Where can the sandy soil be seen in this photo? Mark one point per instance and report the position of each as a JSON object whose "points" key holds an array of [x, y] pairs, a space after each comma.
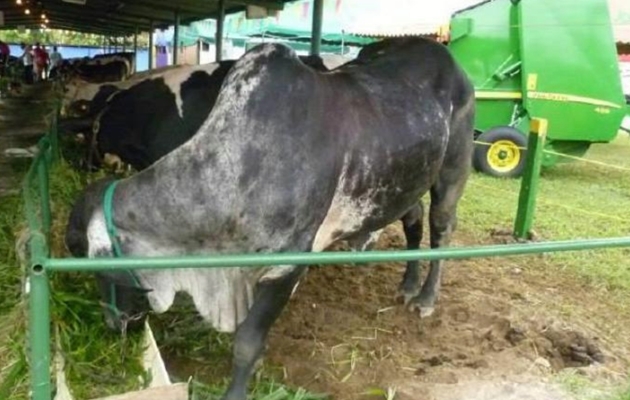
{"points": [[503, 327]]}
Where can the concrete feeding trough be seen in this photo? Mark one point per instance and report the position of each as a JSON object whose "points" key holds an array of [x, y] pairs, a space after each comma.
{"points": [[160, 386], [171, 392]]}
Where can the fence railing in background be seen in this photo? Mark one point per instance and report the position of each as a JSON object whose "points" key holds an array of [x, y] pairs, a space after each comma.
{"points": [[38, 214], [36, 191]]}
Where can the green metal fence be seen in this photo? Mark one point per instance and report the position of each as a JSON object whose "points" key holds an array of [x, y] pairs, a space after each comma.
{"points": [[38, 214]]}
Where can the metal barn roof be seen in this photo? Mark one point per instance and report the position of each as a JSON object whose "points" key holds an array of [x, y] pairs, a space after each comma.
{"points": [[117, 16]]}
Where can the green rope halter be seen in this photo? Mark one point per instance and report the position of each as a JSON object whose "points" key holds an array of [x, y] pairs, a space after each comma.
{"points": [[109, 219], [112, 232]]}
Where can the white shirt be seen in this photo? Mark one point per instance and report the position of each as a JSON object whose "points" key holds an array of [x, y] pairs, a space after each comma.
{"points": [[27, 58], [55, 58]]}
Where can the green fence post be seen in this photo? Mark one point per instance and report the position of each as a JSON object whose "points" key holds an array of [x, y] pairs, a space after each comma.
{"points": [[54, 135], [44, 194], [39, 320], [531, 175]]}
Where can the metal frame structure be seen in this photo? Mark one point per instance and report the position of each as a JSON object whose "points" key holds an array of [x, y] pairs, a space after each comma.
{"points": [[130, 17], [120, 16], [38, 214]]}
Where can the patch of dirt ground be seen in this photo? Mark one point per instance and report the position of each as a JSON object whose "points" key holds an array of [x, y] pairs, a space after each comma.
{"points": [[502, 328]]}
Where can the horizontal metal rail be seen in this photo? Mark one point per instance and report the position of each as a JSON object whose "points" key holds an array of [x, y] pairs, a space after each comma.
{"points": [[38, 215], [331, 257]]}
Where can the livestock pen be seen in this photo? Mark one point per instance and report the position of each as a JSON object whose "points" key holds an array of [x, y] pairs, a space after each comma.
{"points": [[40, 263]]}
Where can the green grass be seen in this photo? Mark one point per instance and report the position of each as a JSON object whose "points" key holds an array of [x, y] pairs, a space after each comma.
{"points": [[189, 343], [12, 313], [583, 388], [575, 200], [261, 389], [97, 362]]}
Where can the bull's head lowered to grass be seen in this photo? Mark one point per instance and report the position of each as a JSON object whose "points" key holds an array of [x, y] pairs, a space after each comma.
{"points": [[123, 299]]}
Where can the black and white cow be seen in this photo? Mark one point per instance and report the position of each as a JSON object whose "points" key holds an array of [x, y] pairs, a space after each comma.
{"points": [[115, 70], [107, 67], [83, 99], [139, 125], [79, 93], [98, 69], [289, 159], [128, 57], [148, 120]]}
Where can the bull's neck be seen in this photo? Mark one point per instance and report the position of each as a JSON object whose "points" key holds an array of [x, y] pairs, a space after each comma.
{"points": [[153, 199]]}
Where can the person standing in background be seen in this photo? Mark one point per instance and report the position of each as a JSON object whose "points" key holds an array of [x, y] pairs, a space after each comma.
{"points": [[27, 60], [55, 57], [55, 62], [5, 52], [40, 61]]}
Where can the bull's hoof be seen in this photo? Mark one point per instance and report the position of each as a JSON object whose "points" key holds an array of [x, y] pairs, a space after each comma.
{"points": [[426, 312], [423, 304], [423, 311], [405, 297]]}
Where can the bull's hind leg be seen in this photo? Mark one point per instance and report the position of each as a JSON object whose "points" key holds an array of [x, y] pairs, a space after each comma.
{"points": [[445, 195], [271, 298], [412, 226]]}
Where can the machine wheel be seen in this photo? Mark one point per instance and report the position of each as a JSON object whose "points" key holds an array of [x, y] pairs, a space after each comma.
{"points": [[500, 152]]}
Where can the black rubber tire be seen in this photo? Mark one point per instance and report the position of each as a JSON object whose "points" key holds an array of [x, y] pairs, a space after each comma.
{"points": [[506, 133]]}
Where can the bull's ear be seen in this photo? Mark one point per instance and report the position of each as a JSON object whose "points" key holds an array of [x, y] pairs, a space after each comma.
{"points": [[76, 243], [76, 229]]}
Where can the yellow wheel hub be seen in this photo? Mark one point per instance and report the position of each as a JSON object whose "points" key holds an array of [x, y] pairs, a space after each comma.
{"points": [[503, 155]]}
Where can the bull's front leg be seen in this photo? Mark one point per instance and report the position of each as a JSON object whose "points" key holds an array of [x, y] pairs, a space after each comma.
{"points": [[271, 297]]}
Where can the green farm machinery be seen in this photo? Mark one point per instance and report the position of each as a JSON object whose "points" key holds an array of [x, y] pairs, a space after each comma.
{"points": [[554, 60]]}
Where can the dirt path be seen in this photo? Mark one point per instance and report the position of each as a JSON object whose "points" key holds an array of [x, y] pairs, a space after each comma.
{"points": [[22, 123], [502, 328]]}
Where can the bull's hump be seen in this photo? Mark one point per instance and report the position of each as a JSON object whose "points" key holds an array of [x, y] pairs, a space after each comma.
{"points": [[257, 60], [242, 80]]}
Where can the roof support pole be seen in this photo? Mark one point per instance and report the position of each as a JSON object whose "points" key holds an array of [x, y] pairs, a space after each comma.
{"points": [[316, 30], [218, 39], [176, 39], [135, 50], [151, 46]]}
